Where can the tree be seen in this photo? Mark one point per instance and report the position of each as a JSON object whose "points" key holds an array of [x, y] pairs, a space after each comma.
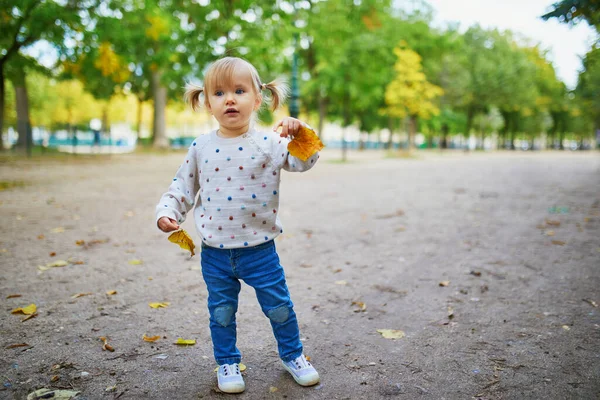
{"points": [[588, 86], [410, 94], [25, 22], [573, 11]]}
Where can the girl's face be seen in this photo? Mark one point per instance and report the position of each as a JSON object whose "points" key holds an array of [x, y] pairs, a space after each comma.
{"points": [[233, 101]]}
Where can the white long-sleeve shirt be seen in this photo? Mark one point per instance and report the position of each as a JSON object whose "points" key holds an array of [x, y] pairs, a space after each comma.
{"points": [[238, 180]]}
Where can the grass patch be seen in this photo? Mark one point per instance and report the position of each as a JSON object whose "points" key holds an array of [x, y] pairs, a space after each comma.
{"points": [[403, 153], [6, 185]]}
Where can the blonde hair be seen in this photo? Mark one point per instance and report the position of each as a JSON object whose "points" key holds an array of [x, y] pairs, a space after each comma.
{"points": [[221, 72]]}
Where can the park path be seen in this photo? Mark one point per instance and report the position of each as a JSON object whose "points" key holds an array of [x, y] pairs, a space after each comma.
{"points": [[369, 245]]}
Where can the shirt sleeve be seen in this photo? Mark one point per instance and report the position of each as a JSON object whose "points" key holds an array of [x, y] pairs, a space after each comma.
{"points": [[291, 163], [179, 199]]}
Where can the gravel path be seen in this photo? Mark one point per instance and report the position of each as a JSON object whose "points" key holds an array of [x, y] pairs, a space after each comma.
{"points": [[368, 245]]}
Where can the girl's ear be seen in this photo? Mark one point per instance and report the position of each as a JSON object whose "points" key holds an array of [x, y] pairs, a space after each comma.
{"points": [[257, 102]]}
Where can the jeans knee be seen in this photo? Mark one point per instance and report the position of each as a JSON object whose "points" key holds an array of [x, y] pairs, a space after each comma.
{"points": [[279, 314], [223, 315]]}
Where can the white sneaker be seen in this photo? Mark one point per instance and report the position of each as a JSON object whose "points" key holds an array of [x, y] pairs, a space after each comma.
{"points": [[229, 379], [302, 371]]}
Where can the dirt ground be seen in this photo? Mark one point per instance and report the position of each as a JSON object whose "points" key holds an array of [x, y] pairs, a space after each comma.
{"points": [[368, 245]]}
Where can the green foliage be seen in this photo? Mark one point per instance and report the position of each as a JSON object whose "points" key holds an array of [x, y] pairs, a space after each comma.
{"points": [[573, 11]]}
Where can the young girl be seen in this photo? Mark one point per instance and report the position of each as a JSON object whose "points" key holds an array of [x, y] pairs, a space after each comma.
{"points": [[237, 170]]}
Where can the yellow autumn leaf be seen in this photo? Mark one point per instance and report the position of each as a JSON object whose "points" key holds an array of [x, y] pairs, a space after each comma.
{"points": [[29, 310], [184, 240], [391, 333], [80, 295], [57, 263], [159, 305], [111, 292], [185, 342], [305, 143], [151, 338], [135, 262], [444, 283], [106, 346]]}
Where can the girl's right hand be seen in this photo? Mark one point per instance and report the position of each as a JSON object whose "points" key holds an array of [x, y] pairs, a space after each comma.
{"points": [[167, 224]]}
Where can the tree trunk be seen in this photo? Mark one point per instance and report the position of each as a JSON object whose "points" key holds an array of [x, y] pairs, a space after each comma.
{"points": [[444, 141], [322, 114], [2, 97], [412, 129], [470, 117], [159, 128], [139, 118], [25, 140]]}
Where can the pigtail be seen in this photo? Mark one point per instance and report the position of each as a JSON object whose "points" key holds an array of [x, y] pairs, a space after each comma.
{"points": [[192, 95], [279, 91]]}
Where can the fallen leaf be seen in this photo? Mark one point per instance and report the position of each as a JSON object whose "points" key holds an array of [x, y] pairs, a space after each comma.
{"points": [[151, 338], [391, 333], [361, 306], [54, 378], [566, 327], [444, 283], [184, 240], [80, 242], [273, 389], [57, 263], [549, 233], [475, 273], [552, 222], [41, 237], [29, 317], [80, 295], [29, 310], [12, 296], [185, 342], [111, 389], [59, 229], [558, 242], [305, 143], [52, 254], [135, 262], [52, 394], [159, 305], [106, 346], [13, 346], [76, 262], [591, 302], [111, 292], [343, 283], [307, 358], [450, 313]]}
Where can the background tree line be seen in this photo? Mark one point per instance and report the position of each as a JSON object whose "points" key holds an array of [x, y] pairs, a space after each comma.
{"points": [[363, 63]]}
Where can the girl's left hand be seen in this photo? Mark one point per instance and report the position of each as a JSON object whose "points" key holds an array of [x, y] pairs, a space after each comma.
{"points": [[289, 126]]}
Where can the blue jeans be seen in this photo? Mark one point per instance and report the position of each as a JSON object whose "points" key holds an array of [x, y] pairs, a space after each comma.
{"points": [[259, 267]]}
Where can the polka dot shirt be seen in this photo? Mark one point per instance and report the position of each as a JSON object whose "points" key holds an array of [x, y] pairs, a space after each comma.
{"points": [[238, 182]]}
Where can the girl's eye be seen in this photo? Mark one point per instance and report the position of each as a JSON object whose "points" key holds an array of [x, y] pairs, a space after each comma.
{"points": [[219, 93], [239, 91]]}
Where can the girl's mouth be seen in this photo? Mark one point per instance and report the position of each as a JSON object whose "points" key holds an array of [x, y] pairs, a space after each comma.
{"points": [[231, 111]]}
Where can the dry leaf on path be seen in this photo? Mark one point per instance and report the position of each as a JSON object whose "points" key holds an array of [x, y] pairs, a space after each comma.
{"points": [[80, 295], [29, 310], [305, 143], [559, 242], [151, 338], [273, 389], [106, 346], [361, 306], [135, 262], [552, 222], [444, 283], [591, 302], [184, 240], [13, 346], [111, 292], [159, 305], [391, 333], [12, 296], [185, 342], [566, 327], [57, 263], [59, 229], [343, 283]]}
